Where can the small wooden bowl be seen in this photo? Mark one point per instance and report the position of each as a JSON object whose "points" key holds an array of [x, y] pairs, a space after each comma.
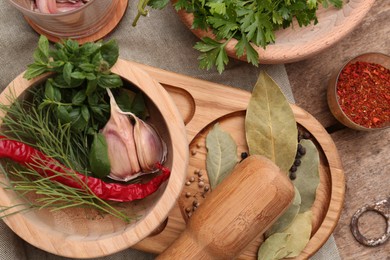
{"points": [[82, 233], [298, 43], [84, 22], [332, 96]]}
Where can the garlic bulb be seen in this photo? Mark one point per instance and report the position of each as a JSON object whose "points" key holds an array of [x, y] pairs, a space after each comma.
{"points": [[133, 150]]}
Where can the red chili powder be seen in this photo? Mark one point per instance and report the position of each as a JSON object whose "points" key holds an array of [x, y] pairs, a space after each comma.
{"points": [[363, 91]]}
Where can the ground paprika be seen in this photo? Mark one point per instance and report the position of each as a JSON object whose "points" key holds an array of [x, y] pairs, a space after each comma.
{"points": [[363, 91]]}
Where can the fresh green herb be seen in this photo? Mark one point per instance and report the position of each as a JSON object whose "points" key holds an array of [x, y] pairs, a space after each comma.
{"points": [[250, 22], [24, 122], [76, 93], [98, 156]]}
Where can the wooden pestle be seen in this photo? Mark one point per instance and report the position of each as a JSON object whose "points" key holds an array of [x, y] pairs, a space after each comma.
{"points": [[241, 208]]}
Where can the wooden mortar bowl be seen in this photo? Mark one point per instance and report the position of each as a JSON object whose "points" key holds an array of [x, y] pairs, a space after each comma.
{"points": [[82, 233]]}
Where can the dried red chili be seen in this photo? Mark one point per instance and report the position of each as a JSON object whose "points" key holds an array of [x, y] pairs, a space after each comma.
{"points": [[28, 156], [363, 91]]}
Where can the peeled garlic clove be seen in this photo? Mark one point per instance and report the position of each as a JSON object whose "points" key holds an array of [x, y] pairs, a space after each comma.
{"points": [[151, 149], [121, 146]]}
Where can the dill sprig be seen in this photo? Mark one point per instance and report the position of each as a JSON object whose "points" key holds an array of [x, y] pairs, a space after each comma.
{"points": [[25, 122]]}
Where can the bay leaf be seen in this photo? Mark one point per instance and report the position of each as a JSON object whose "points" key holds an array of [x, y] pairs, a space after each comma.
{"points": [[287, 218], [221, 155], [270, 124], [274, 247], [308, 176], [300, 231]]}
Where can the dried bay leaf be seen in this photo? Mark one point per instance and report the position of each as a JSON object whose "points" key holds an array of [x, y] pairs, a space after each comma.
{"points": [[274, 247], [300, 231], [221, 155], [270, 124], [289, 243], [308, 176], [287, 218]]}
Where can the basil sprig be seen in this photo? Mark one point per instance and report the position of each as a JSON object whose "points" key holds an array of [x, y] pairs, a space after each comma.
{"points": [[76, 92]]}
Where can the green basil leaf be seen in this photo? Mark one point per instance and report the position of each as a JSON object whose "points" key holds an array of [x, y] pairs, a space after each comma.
{"points": [[40, 57], [34, 70], [85, 113], [52, 92], [110, 52], [91, 87], [98, 156], [90, 76], [77, 75], [79, 98], [71, 45], [67, 72], [97, 110], [87, 67], [43, 46], [78, 123], [63, 114], [125, 99], [60, 82], [109, 81], [56, 65], [138, 106], [88, 48]]}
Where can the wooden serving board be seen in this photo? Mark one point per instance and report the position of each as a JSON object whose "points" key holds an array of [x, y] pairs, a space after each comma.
{"points": [[202, 104]]}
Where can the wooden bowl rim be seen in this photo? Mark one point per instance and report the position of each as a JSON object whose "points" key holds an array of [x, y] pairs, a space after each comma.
{"points": [[82, 247]]}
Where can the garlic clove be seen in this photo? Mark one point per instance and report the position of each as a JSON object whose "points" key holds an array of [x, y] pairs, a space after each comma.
{"points": [[121, 146], [151, 149], [139, 144]]}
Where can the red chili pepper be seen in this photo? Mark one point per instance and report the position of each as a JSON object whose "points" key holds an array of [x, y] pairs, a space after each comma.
{"points": [[48, 167]]}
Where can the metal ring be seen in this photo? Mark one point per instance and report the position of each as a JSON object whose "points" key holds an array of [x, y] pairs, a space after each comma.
{"points": [[382, 208]]}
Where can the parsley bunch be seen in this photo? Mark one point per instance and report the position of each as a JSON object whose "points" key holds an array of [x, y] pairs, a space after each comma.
{"points": [[251, 22]]}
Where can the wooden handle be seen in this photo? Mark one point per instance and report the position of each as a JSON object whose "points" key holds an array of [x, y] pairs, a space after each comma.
{"points": [[242, 207]]}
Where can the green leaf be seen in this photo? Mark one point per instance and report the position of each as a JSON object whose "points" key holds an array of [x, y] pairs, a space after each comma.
{"points": [[158, 4], [213, 54], [87, 67], [98, 156], [217, 7], [125, 99], [78, 123], [63, 114], [79, 98], [287, 218], [43, 47], [77, 75], [67, 72], [221, 155], [109, 81], [244, 47], [308, 177], [110, 52], [91, 87], [34, 70], [270, 125], [51, 92], [85, 113]]}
